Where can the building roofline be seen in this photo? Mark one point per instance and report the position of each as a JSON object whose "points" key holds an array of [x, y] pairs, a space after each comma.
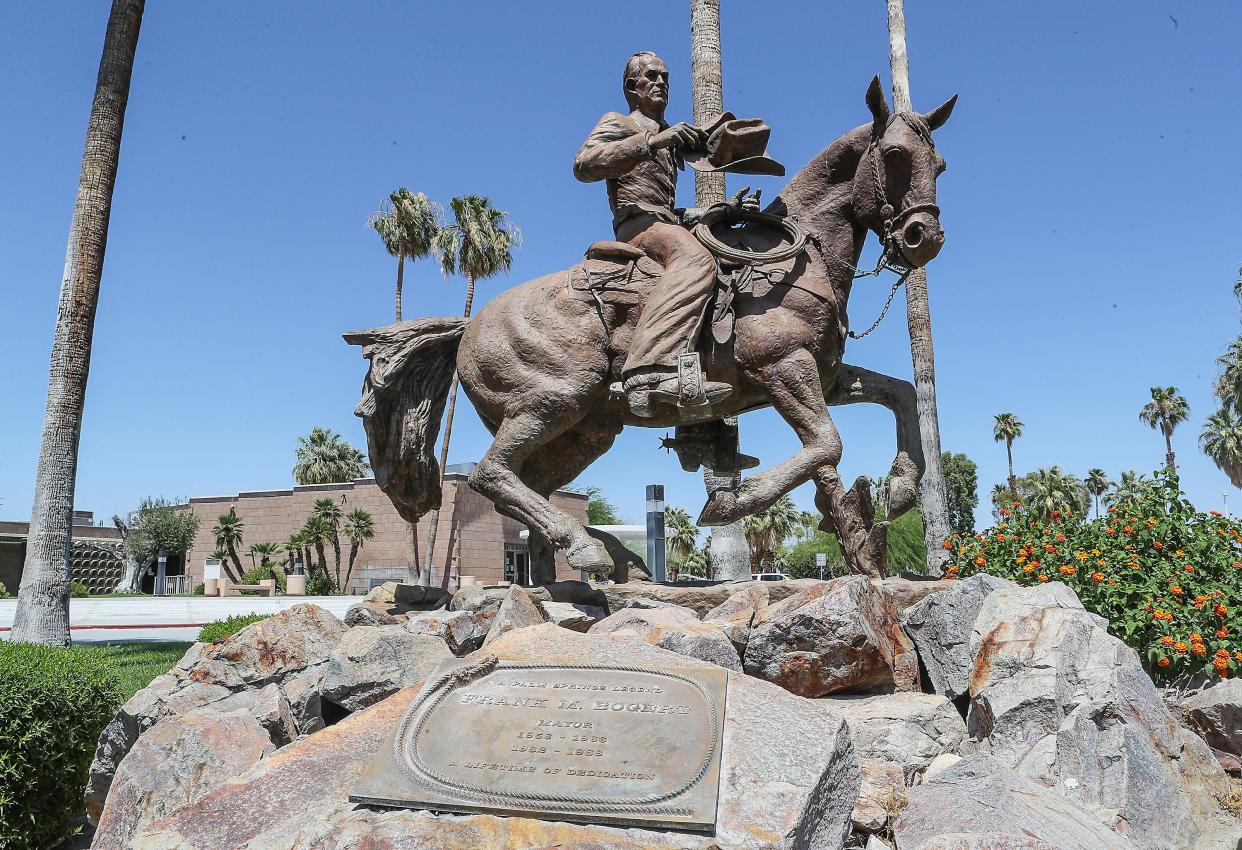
{"points": [[450, 474]]}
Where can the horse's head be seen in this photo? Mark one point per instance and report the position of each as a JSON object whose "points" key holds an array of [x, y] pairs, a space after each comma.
{"points": [[895, 184]]}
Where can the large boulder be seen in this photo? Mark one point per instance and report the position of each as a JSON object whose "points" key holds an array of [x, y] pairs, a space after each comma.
{"points": [[840, 636], [288, 649], [178, 761], [675, 629], [736, 615], [909, 590], [1059, 700], [979, 804], [940, 626], [787, 785], [1216, 714], [373, 662], [462, 631], [907, 729], [517, 611], [574, 616]]}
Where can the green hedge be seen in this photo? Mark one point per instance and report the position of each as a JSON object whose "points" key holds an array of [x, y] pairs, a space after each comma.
{"points": [[78, 590], [54, 703], [220, 629]]}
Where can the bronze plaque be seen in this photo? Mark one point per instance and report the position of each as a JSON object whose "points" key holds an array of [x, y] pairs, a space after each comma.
{"points": [[600, 744]]}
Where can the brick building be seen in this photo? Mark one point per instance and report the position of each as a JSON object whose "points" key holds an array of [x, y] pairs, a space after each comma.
{"points": [[485, 544]]}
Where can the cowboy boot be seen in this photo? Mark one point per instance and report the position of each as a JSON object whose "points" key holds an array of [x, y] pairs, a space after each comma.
{"points": [[686, 386]]}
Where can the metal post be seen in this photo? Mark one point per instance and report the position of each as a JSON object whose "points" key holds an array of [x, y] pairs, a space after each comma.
{"points": [[655, 531], [161, 564]]}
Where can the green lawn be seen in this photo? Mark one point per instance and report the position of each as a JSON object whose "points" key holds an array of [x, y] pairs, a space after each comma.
{"points": [[139, 663]]}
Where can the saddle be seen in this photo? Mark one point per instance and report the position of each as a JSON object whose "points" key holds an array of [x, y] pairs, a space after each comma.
{"points": [[615, 272]]}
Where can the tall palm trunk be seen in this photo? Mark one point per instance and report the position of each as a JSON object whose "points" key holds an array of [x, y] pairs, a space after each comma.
{"points": [[935, 500], [336, 551], [727, 543], [353, 554], [323, 558], [400, 278], [233, 556], [1013, 480], [43, 601], [707, 82], [425, 579], [1169, 461]]}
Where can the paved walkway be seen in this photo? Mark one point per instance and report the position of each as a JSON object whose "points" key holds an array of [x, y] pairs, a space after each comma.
{"points": [[167, 618]]}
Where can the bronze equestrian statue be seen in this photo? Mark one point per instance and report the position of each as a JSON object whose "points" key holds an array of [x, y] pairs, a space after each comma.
{"points": [[541, 361]]}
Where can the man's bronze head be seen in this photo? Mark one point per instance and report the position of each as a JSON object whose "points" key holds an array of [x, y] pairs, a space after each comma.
{"points": [[646, 84]]}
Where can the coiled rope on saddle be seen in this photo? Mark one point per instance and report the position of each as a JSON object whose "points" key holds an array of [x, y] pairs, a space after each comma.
{"points": [[741, 256]]}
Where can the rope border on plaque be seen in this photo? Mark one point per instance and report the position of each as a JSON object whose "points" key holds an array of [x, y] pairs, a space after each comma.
{"points": [[416, 771]]}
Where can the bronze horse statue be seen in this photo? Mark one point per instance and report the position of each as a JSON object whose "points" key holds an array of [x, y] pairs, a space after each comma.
{"points": [[538, 361]]}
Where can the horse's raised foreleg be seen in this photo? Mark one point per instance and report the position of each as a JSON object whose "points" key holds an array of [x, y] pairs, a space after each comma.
{"points": [[517, 439], [793, 387], [855, 385]]}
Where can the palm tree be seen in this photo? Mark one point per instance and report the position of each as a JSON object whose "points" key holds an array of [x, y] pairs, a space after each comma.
{"points": [[1228, 387], [324, 458], [1132, 487], [265, 552], [479, 243], [1002, 497], [707, 88], [1008, 427], [681, 538], [294, 546], [1097, 484], [42, 614], [359, 528], [407, 223], [329, 510], [228, 532], [317, 532], [1221, 440], [1054, 491], [767, 530], [1166, 410], [935, 498]]}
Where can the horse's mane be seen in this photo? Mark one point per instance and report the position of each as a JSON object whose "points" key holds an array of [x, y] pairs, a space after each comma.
{"points": [[813, 186]]}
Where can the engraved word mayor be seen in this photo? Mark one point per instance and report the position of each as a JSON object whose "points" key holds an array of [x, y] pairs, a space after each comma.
{"points": [[597, 744]]}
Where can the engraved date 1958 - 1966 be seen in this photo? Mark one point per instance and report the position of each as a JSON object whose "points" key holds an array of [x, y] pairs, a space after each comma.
{"points": [[540, 743]]}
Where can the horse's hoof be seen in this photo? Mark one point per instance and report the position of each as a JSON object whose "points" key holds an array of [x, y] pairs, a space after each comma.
{"points": [[588, 555], [720, 509]]}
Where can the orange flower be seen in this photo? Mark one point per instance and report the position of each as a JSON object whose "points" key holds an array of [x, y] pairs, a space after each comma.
{"points": [[1163, 662], [1222, 633], [1162, 615], [1180, 554], [1220, 610], [1189, 568], [1082, 556], [1180, 647], [1199, 649], [1166, 640], [1028, 569], [1195, 637], [951, 571], [1043, 578], [1000, 538], [1111, 530], [980, 561], [948, 544], [1157, 544], [1067, 570], [1222, 666], [1112, 510], [1098, 578], [1238, 656], [1222, 653], [1048, 547], [1129, 529], [1176, 590]]}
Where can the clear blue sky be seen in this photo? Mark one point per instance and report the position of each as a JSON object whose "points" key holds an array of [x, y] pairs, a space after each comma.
{"points": [[1091, 206]]}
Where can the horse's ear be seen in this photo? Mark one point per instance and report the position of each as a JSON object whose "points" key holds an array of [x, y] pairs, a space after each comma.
{"points": [[876, 102], [936, 118]]}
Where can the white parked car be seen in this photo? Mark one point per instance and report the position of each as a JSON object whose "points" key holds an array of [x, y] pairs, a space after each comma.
{"points": [[768, 577]]}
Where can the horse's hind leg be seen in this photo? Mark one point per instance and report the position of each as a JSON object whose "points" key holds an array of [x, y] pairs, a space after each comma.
{"points": [[517, 440]]}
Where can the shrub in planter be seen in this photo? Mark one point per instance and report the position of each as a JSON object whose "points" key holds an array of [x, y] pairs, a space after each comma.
{"points": [[1164, 575], [199, 590], [220, 629], [78, 590], [4, 592], [319, 583], [54, 703], [262, 573]]}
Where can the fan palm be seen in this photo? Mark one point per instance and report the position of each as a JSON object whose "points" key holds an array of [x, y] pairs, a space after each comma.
{"points": [[479, 243], [1132, 487], [1054, 491], [265, 553], [407, 223], [317, 533], [359, 528], [1097, 484], [767, 530], [1221, 440], [1228, 386], [228, 532], [324, 458], [42, 614], [295, 547], [1002, 497], [329, 510], [681, 538], [1007, 427], [1166, 410]]}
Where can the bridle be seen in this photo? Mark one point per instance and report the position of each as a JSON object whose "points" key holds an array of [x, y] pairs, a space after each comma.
{"points": [[894, 255]]}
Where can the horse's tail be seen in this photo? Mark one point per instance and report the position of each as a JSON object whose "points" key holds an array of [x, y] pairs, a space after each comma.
{"points": [[403, 398]]}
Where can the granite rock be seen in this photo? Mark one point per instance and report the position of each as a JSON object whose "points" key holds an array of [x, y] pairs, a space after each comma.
{"points": [[517, 611], [675, 629], [462, 631], [835, 637], [1216, 714], [574, 616], [909, 730], [373, 662], [1059, 700], [940, 626]]}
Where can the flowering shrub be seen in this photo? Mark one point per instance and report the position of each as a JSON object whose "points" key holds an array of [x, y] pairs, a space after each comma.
{"points": [[1164, 575]]}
